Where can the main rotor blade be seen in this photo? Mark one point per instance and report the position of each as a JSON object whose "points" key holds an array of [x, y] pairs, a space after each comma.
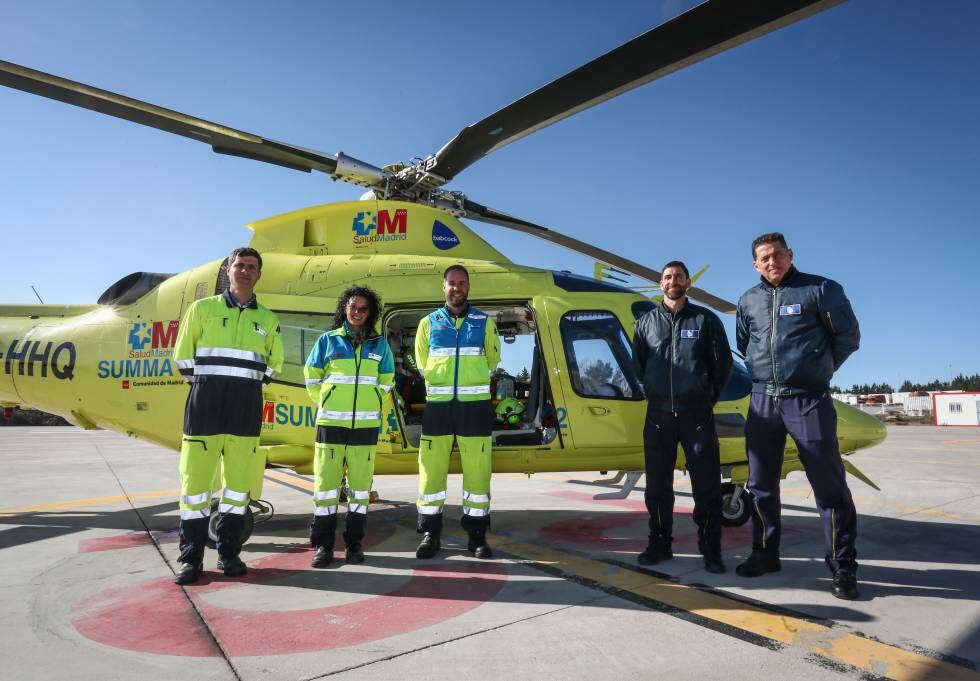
{"points": [[222, 139], [476, 211], [706, 30]]}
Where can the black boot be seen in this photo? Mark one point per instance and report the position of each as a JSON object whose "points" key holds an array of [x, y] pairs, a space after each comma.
{"points": [[323, 529], [353, 534], [188, 573], [232, 566], [193, 536], [476, 527], [657, 550], [429, 546], [323, 556], [758, 564], [845, 585]]}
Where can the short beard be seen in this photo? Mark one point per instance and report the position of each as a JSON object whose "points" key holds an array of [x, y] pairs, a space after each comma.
{"points": [[677, 297]]}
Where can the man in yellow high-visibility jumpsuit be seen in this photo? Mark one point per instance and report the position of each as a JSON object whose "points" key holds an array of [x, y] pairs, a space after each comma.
{"points": [[456, 348], [227, 348]]}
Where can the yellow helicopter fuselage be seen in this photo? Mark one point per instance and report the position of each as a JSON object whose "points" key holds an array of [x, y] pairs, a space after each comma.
{"points": [[111, 365]]}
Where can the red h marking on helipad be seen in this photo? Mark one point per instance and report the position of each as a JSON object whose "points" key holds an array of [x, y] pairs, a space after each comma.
{"points": [[154, 617]]}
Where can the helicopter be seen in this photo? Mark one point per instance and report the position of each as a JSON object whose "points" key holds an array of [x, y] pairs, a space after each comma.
{"points": [[110, 364]]}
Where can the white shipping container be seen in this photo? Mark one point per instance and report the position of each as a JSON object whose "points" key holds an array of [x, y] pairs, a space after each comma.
{"points": [[956, 409], [918, 405]]}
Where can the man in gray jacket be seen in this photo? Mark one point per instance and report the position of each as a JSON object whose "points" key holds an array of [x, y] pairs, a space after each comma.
{"points": [[681, 353], [796, 330]]}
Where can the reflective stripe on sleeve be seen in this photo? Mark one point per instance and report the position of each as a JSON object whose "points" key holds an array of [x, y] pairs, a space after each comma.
{"points": [[386, 388], [271, 373], [314, 381], [185, 364]]}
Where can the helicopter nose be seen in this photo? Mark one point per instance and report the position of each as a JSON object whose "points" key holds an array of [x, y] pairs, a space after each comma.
{"points": [[857, 429]]}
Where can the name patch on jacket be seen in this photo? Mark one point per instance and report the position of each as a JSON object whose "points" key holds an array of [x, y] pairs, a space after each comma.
{"points": [[785, 310], [376, 357], [259, 330], [691, 333]]}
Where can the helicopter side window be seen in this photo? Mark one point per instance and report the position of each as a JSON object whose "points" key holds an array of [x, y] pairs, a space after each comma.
{"points": [[299, 331], [599, 356]]}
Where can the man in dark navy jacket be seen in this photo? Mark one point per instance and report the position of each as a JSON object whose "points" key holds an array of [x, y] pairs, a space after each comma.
{"points": [[796, 330], [681, 353]]}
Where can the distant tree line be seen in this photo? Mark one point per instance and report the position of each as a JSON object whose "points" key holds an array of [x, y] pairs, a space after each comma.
{"points": [[961, 382]]}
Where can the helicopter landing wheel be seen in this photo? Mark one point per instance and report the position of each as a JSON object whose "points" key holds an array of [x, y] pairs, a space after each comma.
{"points": [[736, 505], [263, 510]]}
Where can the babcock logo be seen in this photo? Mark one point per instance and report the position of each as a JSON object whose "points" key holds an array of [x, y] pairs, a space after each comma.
{"points": [[443, 238], [369, 228]]}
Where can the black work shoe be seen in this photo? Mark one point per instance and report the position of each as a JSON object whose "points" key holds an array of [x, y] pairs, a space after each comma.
{"points": [[232, 566], [845, 585], [654, 554], [714, 565], [188, 573], [354, 554], [758, 564], [323, 557], [428, 546], [480, 549]]}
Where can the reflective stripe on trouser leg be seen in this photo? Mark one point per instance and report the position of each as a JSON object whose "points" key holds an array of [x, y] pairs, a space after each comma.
{"points": [[359, 462], [239, 464], [434, 453], [199, 459], [238, 471], [474, 453], [328, 468]]}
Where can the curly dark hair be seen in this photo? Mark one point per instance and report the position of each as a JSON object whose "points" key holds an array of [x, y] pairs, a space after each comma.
{"points": [[374, 307]]}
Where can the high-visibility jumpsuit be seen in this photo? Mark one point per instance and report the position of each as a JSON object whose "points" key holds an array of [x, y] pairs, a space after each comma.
{"points": [[456, 355], [351, 386], [226, 351]]}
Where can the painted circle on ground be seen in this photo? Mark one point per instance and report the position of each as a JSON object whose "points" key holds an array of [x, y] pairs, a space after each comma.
{"points": [[155, 617], [591, 532]]}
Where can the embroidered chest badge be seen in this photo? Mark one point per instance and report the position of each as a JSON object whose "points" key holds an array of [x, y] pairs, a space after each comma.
{"points": [[788, 310], [693, 334]]}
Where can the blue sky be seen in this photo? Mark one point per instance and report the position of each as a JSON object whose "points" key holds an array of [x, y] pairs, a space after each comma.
{"points": [[854, 132]]}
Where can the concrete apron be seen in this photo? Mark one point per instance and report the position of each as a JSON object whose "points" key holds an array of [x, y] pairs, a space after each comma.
{"points": [[87, 532]]}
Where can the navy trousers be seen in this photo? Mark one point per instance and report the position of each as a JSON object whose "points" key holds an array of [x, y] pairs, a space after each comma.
{"points": [[812, 422], [694, 430]]}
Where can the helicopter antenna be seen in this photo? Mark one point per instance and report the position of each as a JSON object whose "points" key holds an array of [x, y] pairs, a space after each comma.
{"points": [[37, 294]]}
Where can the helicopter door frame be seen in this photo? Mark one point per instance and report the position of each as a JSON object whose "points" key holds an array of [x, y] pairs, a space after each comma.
{"points": [[547, 389]]}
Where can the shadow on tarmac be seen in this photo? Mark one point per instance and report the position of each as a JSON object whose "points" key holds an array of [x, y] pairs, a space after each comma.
{"points": [[880, 539]]}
